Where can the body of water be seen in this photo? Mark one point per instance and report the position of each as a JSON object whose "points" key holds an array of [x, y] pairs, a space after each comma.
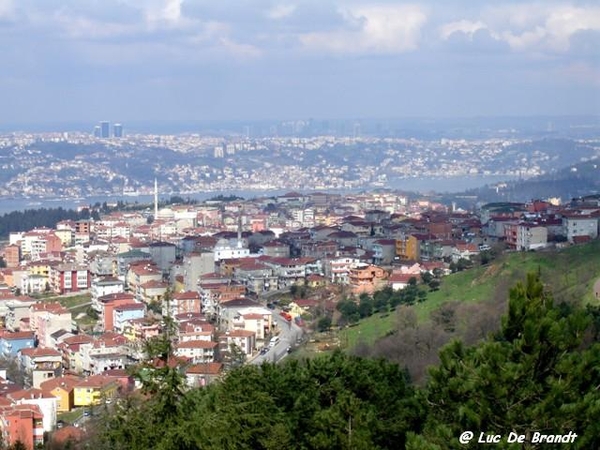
{"points": [[425, 184]]}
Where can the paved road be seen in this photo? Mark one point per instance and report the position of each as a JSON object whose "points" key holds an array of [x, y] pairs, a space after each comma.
{"points": [[288, 336]]}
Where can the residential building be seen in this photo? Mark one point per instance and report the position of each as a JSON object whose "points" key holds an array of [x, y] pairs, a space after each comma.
{"points": [[384, 251], [122, 314], [407, 247], [46, 318], [40, 364], [67, 278], [398, 280], [203, 374], [102, 286], [63, 388], [195, 265], [24, 423], [246, 314], [183, 303], [107, 303], [125, 259], [12, 255], [525, 236], [12, 342], [47, 403], [579, 224], [95, 390], [141, 329], [197, 351], [72, 355], [244, 340], [366, 278], [139, 274], [18, 309]]}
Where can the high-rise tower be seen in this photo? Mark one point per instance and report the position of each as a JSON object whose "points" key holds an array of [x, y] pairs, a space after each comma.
{"points": [[104, 130]]}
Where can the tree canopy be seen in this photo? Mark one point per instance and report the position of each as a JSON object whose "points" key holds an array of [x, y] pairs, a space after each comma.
{"points": [[540, 372]]}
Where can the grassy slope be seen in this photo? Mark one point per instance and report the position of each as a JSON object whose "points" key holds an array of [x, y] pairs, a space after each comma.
{"points": [[570, 274]]}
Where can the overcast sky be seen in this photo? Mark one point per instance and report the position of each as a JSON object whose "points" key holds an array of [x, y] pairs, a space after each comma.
{"points": [[126, 60]]}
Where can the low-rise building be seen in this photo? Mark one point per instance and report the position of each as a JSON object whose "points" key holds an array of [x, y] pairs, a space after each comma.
{"points": [[366, 278], [199, 375], [63, 388], [95, 390], [12, 342], [47, 403], [197, 351], [24, 423]]}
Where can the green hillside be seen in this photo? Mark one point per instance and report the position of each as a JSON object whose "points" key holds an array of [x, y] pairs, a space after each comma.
{"points": [[569, 274]]}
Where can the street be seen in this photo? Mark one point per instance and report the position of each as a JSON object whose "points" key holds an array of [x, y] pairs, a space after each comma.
{"points": [[289, 334]]}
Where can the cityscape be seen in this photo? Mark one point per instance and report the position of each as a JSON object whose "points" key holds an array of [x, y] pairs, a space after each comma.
{"points": [[109, 162], [319, 225]]}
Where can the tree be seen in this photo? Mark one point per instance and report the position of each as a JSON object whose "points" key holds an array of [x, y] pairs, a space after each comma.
{"points": [[349, 311], [434, 285], [381, 298], [365, 307], [426, 277], [236, 355], [533, 375], [324, 323]]}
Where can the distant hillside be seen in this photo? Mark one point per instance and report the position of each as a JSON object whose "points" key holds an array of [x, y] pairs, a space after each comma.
{"points": [[573, 181]]}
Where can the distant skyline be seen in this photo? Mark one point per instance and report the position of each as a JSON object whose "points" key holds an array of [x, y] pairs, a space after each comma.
{"points": [[173, 60]]}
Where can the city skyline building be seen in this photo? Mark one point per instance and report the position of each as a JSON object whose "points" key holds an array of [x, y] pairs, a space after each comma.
{"points": [[118, 130], [104, 129]]}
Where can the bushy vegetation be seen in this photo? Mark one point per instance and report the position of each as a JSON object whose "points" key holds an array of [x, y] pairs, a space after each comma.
{"points": [[36, 218], [538, 371], [384, 300]]}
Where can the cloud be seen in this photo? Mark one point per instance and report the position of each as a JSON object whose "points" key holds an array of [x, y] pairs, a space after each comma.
{"points": [[239, 50], [464, 26], [382, 29], [165, 13], [7, 10], [541, 27], [281, 11], [585, 43]]}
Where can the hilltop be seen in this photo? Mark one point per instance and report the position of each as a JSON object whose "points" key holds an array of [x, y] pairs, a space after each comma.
{"points": [[572, 181]]}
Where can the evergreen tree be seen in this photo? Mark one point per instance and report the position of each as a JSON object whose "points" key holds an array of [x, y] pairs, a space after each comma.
{"points": [[533, 376]]}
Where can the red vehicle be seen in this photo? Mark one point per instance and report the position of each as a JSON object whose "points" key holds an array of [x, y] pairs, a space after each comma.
{"points": [[287, 316]]}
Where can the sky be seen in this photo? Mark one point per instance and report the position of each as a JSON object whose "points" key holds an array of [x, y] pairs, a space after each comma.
{"points": [[175, 60]]}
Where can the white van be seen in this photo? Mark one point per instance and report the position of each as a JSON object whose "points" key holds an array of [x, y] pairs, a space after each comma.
{"points": [[274, 341]]}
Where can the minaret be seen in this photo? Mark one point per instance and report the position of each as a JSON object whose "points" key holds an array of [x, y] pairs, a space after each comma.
{"points": [[239, 230], [155, 199]]}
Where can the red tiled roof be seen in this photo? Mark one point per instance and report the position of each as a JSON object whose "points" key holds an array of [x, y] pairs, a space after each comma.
{"points": [[197, 344], [213, 368], [187, 295], [39, 352], [66, 382]]}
